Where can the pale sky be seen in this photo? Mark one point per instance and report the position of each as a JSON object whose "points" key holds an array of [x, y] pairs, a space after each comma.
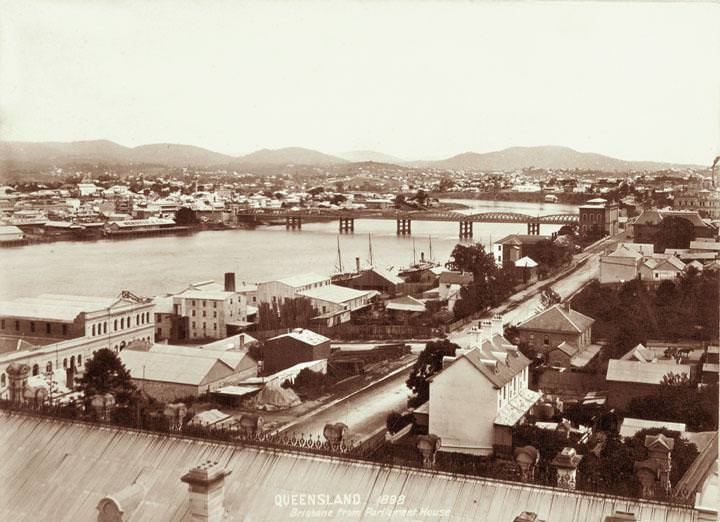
{"points": [[417, 80]]}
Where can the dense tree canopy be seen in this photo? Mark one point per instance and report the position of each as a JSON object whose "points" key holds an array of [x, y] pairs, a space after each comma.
{"points": [[491, 284], [633, 312], [674, 232], [186, 216], [105, 373], [428, 363], [292, 313]]}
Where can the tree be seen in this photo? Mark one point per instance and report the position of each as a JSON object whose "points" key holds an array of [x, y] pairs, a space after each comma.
{"points": [[428, 363], [674, 232], [186, 216], [568, 230], [105, 373], [676, 379], [421, 197], [490, 284]]}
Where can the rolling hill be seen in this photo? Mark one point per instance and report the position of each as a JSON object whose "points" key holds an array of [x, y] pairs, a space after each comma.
{"points": [[289, 156], [543, 157], [362, 156]]}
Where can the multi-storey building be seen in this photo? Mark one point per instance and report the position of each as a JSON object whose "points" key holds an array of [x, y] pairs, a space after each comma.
{"points": [[600, 215], [206, 310], [704, 201], [61, 331]]}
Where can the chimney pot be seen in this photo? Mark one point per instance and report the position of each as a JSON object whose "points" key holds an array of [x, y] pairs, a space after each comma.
{"points": [[229, 281], [206, 485]]}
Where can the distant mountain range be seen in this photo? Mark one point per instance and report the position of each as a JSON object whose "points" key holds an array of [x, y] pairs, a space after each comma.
{"points": [[23, 155]]}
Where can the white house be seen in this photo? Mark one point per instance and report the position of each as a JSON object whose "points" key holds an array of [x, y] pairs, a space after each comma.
{"points": [[480, 395]]}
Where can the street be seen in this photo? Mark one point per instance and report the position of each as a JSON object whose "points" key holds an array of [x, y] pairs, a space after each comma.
{"points": [[364, 412]]}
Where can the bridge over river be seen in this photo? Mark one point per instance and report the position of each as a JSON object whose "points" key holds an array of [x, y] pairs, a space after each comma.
{"points": [[346, 218]]}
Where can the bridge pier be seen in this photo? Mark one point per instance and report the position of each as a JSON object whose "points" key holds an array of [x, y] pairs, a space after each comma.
{"points": [[404, 227], [466, 229], [533, 228], [347, 225], [293, 223]]}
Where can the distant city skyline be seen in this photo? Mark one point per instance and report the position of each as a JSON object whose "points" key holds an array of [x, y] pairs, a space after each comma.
{"points": [[419, 81]]}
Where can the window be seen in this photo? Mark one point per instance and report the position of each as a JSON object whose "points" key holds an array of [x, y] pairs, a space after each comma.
{"points": [[79, 360], [204, 302], [17, 325], [64, 329], [204, 326], [159, 332], [193, 324], [93, 330], [72, 361], [2, 380], [105, 327], [36, 369], [65, 363], [48, 367], [214, 304], [47, 328], [193, 313], [192, 302], [204, 313], [122, 323], [214, 326], [147, 316], [2, 323], [214, 314], [546, 341], [115, 325], [32, 326]]}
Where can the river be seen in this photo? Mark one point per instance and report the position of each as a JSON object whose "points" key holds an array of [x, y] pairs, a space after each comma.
{"points": [[152, 266]]}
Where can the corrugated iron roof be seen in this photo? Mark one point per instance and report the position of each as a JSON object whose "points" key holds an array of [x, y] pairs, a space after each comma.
{"points": [[165, 367], [636, 371], [57, 470]]}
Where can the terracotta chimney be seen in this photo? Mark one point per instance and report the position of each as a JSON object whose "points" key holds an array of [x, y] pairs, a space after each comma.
{"points": [[207, 491], [229, 281], [17, 377], [566, 463]]}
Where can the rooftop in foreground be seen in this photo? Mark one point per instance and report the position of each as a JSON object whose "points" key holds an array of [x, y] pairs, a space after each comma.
{"points": [[66, 478]]}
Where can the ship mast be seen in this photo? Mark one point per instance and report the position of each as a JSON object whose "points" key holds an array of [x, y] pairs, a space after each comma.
{"points": [[370, 252], [340, 268]]}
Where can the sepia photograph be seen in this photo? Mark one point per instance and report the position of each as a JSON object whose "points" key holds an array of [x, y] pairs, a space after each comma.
{"points": [[359, 260]]}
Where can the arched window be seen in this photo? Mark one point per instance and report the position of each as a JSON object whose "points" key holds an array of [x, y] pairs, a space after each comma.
{"points": [[122, 345], [105, 327], [122, 323], [93, 329], [36, 369], [147, 316], [65, 363], [79, 360], [115, 327], [72, 362]]}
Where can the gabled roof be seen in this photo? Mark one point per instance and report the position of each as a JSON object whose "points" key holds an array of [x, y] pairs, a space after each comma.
{"points": [[525, 262], [497, 372], [558, 319], [405, 303], [623, 251], [639, 353], [655, 217], [387, 275], [303, 279], [232, 359], [336, 294], [521, 239], [640, 372], [165, 367], [305, 336]]}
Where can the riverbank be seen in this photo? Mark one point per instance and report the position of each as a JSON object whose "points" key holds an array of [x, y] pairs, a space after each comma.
{"points": [[567, 198]]}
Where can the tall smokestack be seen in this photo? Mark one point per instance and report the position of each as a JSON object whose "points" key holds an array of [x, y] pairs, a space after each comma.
{"points": [[713, 171], [422, 257], [357, 265], [229, 281]]}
